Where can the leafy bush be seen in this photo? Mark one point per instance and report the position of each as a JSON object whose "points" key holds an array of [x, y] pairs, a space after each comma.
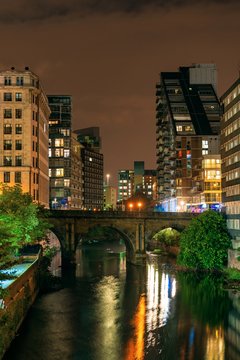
{"points": [[21, 222], [167, 236], [204, 243], [232, 274]]}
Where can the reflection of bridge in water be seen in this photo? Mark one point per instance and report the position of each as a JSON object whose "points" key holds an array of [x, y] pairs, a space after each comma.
{"points": [[135, 228]]}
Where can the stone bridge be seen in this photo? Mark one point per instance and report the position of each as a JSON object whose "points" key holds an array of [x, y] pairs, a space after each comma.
{"points": [[135, 228]]}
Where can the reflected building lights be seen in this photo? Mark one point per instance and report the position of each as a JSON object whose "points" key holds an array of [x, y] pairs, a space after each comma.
{"points": [[215, 347], [159, 295], [135, 346]]}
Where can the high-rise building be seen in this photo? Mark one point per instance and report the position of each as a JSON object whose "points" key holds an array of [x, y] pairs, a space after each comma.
{"points": [[139, 181], [110, 197], [24, 133], [65, 165], [92, 160], [188, 127], [230, 151]]}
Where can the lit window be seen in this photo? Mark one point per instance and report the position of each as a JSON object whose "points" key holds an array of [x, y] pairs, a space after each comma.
{"points": [[67, 182], [59, 142], [18, 96], [60, 172], [50, 152], [66, 153], [90, 159], [49, 172]]}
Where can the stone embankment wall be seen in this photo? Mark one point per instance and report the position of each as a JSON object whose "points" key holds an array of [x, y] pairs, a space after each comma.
{"points": [[20, 295]]}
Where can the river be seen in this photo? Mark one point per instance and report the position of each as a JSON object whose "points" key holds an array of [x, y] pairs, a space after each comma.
{"points": [[108, 310]]}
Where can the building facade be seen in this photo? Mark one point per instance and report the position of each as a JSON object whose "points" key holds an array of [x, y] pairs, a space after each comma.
{"points": [[92, 160], [24, 133], [65, 165], [230, 152], [188, 127], [137, 181], [110, 197]]}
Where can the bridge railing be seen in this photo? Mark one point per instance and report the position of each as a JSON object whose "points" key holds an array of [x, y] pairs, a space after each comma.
{"points": [[119, 214]]}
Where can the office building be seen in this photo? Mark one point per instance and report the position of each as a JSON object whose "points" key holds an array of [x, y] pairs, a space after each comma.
{"points": [[230, 152], [24, 133], [188, 127], [65, 165], [92, 160]]}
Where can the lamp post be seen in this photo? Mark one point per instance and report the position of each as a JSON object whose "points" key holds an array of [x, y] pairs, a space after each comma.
{"points": [[130, 206], [108, 177], [139, 204]]}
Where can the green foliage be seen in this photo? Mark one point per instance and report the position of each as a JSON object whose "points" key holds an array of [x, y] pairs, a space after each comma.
{"points": [[167, 236], [21, 222], [204, 243], [157, 251], [232, 274]]}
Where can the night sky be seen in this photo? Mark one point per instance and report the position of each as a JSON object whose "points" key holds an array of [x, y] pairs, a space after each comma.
{"points": [[108, 55]]}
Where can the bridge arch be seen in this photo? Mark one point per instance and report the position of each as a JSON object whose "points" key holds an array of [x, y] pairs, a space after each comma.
{"points": [[130, 249]]}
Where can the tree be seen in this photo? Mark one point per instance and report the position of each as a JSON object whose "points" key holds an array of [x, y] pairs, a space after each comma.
{"points": [[167, 236], [205, 242], [21, 222]]}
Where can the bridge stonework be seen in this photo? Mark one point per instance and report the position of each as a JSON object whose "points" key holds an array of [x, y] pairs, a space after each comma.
{"points": [[136, 228]]}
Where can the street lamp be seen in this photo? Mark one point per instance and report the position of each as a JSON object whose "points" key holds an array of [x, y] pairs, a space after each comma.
{"points": [[139, 204], [108, 177], [130, 206]]}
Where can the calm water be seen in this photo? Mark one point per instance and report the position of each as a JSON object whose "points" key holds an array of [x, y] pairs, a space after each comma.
{"points": [[108, 311]]}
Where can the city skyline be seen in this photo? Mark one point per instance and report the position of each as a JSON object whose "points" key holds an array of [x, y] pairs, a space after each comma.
{"points": [[109, 59]]}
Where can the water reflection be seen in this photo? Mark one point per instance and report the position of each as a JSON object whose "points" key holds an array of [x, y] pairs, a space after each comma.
{"points": [[110, 311], [135, 346], [160, 292]]}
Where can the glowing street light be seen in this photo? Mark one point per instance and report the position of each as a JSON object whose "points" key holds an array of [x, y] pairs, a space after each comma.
{"points": [[130, 206], [108, 177], [139, 204]]}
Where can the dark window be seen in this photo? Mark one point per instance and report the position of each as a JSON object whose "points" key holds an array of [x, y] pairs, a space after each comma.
{"points": [[6, 177], [18, 129], [18, 145], [7, 129], [18, 113], [18, 177], [7, 96], [7, 113], [18, 96], [7, 161], [18, 160], [33, 115], [7, 80], [19, 81], [7, 145]]}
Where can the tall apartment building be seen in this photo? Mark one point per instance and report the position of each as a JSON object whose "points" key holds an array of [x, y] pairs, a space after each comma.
{"points": [[65, 165], [24, 114], [230, 151], [92, 159], [188, 127], [135, 181]]}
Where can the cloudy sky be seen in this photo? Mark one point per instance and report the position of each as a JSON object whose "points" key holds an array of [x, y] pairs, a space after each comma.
{"points": [[108, 55]]}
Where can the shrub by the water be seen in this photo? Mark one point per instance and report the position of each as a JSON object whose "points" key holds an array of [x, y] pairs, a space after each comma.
{"points": [[205, 242]]}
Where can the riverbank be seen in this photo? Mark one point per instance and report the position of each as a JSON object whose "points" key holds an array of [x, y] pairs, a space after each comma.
{"points": [[19, 294]]}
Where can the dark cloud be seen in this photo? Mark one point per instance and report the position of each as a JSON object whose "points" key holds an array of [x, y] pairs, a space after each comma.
{"points": [[12, 11]]}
